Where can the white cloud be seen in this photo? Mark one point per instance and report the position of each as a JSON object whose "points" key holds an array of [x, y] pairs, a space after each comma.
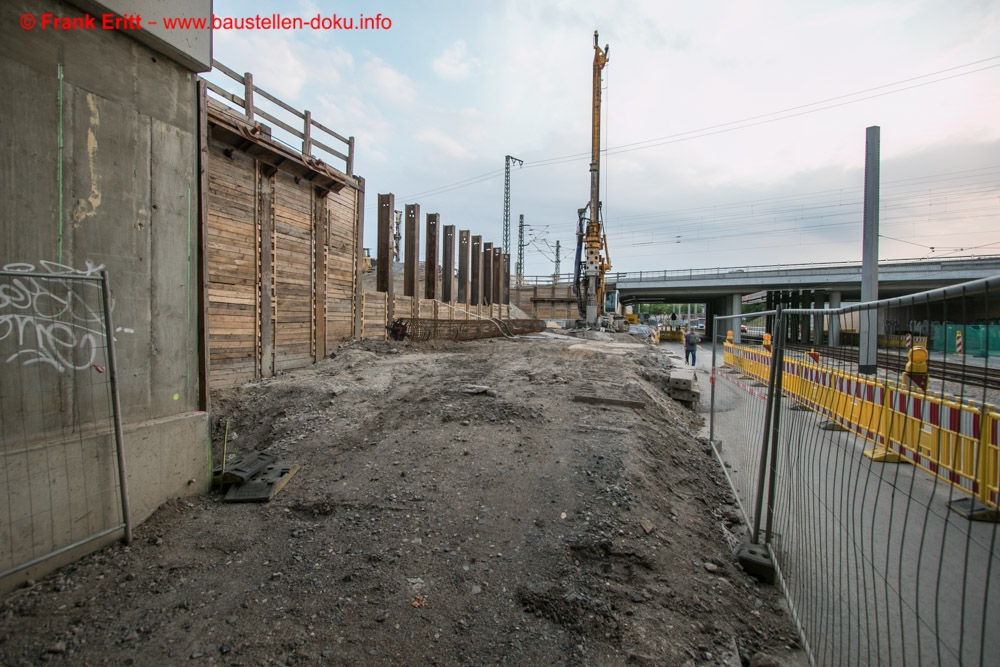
{"points": [[441, 142], [389, 84], [454, 64]]}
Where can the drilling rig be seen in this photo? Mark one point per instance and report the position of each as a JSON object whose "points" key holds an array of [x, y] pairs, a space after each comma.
{"points": [[598, 308]]}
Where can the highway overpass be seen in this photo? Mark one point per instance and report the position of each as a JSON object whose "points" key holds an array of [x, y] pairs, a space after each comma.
{"points": [[896, 278]]}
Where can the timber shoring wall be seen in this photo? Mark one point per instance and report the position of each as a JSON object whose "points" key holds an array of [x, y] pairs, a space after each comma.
{"points": [[282, 258]]}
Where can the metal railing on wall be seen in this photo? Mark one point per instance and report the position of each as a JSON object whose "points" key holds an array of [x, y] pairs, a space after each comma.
{"points": [[63, 481], [883, 563]]}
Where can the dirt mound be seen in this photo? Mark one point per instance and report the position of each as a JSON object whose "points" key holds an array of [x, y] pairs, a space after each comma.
{"points": [[454, 506]]}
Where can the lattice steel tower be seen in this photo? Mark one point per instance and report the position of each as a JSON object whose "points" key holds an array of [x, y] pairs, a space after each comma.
{"points": [[506, 199]]}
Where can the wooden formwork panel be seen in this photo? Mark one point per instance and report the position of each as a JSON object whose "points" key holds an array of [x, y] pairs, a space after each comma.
{"points": [[233, 247], [373, 316], [426, 310], [402, 306], [341, 265], [340, 318], [294, 261]]}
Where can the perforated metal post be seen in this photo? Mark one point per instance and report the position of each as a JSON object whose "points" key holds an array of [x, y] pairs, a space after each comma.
{"points": [[448, 263], [431, 257], [464, 246], [116, 408], [476, 271], [411, 264], [487, 281]]}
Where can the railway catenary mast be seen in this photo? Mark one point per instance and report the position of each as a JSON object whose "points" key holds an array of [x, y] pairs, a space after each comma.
{"points": [[591, 249]]}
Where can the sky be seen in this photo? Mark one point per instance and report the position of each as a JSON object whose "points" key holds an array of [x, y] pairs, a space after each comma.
{"points": [[733, 132]]}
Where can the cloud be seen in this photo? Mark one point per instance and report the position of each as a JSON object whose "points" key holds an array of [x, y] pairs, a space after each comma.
{"points": [[441, 142], [454, 64], [389, 84]]}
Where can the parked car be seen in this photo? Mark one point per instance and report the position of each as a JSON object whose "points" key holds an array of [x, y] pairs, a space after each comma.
{"points": [[743, 328]]}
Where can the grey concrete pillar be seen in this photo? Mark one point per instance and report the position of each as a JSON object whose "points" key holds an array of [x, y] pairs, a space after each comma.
{"points": [[834, 321], [817, 320], [868, 319], [736, 301]]}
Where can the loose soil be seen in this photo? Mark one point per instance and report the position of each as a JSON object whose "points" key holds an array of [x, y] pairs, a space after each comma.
{"points": [[454, 506]]}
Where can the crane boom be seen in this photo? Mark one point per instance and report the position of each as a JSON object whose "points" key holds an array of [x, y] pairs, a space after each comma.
{"points": [[591, 264]]}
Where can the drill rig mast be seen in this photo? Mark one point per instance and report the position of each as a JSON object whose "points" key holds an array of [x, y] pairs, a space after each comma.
{"points": [[591, 246]]}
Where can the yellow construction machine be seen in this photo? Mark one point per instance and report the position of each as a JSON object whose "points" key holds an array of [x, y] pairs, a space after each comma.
{"points": [[598, 307]]}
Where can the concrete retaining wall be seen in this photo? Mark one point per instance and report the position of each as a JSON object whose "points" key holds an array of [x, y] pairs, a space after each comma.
{"points": [[99, 169]]}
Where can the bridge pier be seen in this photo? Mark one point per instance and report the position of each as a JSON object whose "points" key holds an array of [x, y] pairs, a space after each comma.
{"points": [[833, 337], [736, 308], [818, 300]]}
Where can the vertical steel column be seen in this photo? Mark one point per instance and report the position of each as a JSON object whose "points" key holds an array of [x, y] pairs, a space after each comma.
{"points": [[431, 257], [448, 263], [476, 271], [497, 276], [383, 259], [769, 410], [411, 254], [868, 324], [506, 279], [487, 274], [463, 266], [116, 408], [777, 361], [265, 275], [359, 252], [385, 253], [711, 380], [321, 237]]}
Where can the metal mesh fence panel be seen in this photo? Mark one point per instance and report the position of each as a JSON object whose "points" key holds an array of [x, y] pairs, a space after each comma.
{"points": [[883, 518], [60, 484], [740, 396]]}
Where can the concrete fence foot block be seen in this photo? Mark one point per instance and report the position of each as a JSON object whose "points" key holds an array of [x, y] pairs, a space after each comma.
{"points": [[756, 561], [883, 455], [972, 508]]}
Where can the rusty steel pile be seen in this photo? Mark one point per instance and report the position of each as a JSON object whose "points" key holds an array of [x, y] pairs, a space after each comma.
{"points": [[418, 329]]}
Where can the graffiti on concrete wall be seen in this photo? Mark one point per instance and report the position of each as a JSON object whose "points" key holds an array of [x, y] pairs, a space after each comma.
{"points": [[55, 319]]}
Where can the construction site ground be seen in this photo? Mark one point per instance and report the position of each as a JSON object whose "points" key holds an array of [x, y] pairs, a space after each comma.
{"points": [[454, 505]]}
